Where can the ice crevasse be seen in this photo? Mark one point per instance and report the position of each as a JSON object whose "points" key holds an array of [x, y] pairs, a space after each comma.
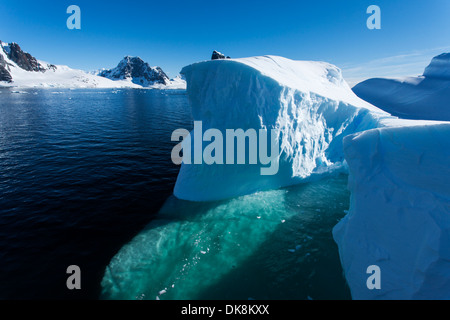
{"points": [[399, 173]]}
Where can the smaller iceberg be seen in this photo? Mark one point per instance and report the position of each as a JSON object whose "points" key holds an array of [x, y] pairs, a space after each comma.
{"points": [[426, 97], [399, 217]]}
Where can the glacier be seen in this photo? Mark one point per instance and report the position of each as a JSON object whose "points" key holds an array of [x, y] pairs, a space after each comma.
{"points": [[308, 104]]}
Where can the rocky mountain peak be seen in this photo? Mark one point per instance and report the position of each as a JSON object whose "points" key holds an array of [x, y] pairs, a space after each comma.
{"points": [[136, 69], [23, 59], [216, 55]]}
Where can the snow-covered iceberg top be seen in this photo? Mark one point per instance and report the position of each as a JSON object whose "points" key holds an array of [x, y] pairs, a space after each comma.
{"points": [[308, 104]]}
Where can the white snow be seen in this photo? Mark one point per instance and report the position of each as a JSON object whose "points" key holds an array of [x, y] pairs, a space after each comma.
{"points": [[424, 97], [177, 83], [65, 77]]}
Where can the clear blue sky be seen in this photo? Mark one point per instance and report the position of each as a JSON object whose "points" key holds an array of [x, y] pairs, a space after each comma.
{"points": [[172, 34]]}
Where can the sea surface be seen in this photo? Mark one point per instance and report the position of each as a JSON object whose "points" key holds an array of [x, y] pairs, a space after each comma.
{"points": [[86, 179]]}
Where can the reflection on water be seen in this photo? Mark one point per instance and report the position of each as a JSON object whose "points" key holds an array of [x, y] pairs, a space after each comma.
{"points": [[270, 245]]}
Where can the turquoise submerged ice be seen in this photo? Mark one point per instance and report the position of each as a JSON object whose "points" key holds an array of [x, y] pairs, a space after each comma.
{"points": [[269, 245]]}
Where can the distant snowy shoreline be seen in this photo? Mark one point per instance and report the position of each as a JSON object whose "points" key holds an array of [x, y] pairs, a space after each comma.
{"points": [[19, 69]]}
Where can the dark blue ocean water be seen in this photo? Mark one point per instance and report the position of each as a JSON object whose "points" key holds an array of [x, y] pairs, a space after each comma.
{"points": [[81, 172], [86, 178]]}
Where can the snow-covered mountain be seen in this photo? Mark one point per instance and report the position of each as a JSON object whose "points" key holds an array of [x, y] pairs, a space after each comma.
{"points": [[21, 69], [15, 56], [138, 71], [423, 97]]}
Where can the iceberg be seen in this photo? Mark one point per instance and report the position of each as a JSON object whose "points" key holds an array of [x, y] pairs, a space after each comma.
{"points": [[399, 214], [425, 97], [399, 217], [307, 104]]}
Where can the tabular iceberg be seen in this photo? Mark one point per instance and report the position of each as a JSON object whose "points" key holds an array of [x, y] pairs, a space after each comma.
{"points": [[308, 105]]}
